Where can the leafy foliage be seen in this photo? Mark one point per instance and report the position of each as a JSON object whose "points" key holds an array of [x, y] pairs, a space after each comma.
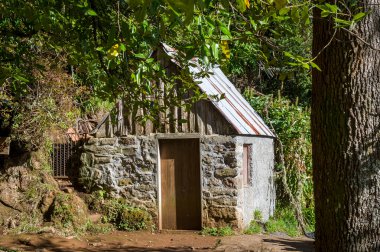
{"points": [[107, 49]]}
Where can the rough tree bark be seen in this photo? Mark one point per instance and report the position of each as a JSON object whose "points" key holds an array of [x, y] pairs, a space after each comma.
{"points": [[346, 134]]}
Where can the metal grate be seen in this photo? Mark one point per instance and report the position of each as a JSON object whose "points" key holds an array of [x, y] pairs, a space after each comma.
{"points": [[62, 158]]}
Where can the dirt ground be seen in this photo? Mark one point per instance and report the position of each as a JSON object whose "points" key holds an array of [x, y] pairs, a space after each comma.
{"points": [[146, 241]]}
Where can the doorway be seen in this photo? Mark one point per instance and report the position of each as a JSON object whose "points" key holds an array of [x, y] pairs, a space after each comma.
{"points": [[180, 184]]}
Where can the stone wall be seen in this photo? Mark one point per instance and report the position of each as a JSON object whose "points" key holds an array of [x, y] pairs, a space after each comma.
{"points": [[219, 181], [124, 167], [127, 167], [259, 194]]}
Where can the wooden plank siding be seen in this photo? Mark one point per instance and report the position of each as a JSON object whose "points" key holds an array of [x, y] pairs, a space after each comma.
{"points": [[203, 118]]}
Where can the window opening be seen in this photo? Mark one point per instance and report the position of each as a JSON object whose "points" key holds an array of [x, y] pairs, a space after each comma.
{"points": [[247, 149]]}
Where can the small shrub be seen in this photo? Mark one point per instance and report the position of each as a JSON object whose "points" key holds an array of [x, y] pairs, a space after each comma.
{"points": [[257, 215], [119, 213], [256, 225], [284, 221], [95, 201], [132, 218], [111, 210], [62, 212], [221, 231], [254, 228]]}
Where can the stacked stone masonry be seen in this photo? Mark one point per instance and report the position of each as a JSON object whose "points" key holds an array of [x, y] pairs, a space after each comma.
{"points": [[128, 167]]}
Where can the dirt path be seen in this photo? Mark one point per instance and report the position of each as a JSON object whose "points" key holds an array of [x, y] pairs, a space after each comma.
{"points": [[146, 241]]}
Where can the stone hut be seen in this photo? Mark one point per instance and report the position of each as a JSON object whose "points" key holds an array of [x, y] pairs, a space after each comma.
{"points": [[215, 170]]}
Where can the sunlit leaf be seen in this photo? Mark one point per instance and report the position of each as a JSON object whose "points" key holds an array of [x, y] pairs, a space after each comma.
{"points": [[91, 12], [247, 3], [113, 52], [313, 65], [241, 5], [225, 49], [359, 16], [123, 47]]}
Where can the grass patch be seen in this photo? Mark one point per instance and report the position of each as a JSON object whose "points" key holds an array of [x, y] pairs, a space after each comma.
{"points": [[99, 228], [283, 221], [256, 225], [254, 228], [221, 231]]}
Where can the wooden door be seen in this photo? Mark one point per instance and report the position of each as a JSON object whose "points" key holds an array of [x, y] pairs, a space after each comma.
{"points": [[180, 184]]}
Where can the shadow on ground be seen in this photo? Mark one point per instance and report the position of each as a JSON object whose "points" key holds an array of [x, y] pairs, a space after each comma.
{"points": [[45, 245], [292, 245], [156, 242]]}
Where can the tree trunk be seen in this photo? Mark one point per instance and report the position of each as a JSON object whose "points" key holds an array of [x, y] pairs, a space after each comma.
{"points": [[346, 134]]}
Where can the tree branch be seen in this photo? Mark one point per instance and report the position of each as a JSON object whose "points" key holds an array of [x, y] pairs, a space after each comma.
{"points": [[361, 39]]}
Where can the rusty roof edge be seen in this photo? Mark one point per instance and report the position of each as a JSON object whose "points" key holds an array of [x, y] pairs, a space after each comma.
{"points": [[260, 129], [244, 103]]}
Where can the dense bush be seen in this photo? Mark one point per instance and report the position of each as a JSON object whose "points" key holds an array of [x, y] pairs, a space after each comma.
{"points": [[119, 213]]}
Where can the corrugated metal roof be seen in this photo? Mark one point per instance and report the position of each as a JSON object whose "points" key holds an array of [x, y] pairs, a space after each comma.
{"points": [[233, 107]]}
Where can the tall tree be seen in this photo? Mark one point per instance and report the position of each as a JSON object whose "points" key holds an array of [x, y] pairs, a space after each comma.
{"points": [[346, 129]]}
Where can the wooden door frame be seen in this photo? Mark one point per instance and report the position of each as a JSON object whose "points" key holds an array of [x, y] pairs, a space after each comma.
{"points": [[159, 196]]}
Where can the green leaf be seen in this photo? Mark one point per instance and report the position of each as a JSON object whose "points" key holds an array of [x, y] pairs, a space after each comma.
{"points": [[280, 4], [359, 16], [224, 29], [313, 65], [332, 7], [289, 55], [342, 22], [283, 11], [215, 50], [325, 13], [241, 5], [282, 76], [123, 48], [21, 78], [139, 55], [305, 65], [91, 12]]}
